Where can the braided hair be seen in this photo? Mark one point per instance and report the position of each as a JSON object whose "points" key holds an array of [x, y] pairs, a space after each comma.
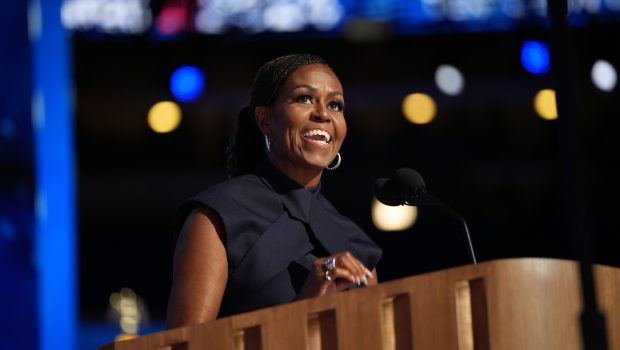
{"points": [[246, 151]]}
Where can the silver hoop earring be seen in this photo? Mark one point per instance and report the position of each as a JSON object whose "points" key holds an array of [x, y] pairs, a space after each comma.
{"points": [[267, 143], [337, 163]]}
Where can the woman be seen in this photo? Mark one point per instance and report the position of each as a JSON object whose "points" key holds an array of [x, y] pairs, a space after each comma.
{"points": [[267, 236]]}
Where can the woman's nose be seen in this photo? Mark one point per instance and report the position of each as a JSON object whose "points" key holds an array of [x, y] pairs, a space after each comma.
{"points": [[320, 114]]}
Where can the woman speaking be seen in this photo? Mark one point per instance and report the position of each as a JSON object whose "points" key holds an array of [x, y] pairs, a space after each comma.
{"points": [[267, 236]]}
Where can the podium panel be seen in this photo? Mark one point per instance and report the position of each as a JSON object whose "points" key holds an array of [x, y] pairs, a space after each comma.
{"points": [[508, 304]]}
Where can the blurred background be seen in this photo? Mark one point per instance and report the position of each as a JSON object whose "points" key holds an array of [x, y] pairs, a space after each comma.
{"points": [[112, 112]]}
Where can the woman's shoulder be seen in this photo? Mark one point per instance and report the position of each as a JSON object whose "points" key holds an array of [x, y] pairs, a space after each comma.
{"points": [[241, 195], [241, 198], [232, 188]]}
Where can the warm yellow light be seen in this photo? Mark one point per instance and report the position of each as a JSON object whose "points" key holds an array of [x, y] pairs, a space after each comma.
{"points": [[545, 104], [164, 117], [115, 300], [398, 218], [125, 336], [419, 108], [126, 302], [129, 325], [128, 293]]}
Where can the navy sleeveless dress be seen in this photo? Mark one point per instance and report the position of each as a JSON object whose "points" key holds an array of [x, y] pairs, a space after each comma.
{"points": [[274, 230]]}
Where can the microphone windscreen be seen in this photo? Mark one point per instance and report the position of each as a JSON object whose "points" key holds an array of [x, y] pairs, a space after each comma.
{"points": [[409, 182], [387, 193]]}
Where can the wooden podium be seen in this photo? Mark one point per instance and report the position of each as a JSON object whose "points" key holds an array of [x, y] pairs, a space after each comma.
{"points": [[520, 304]]}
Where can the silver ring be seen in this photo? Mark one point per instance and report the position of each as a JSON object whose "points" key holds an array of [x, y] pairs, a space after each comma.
{"points": [[330, 263], [327, 275], [328, 267]]}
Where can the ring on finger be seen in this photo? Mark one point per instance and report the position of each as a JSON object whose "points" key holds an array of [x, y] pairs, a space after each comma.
{"points": [[328, 268], [330, 263], [328, 275]]}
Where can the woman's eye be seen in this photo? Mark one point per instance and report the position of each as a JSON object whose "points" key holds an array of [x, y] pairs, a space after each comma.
{"points": [[336, 106], [304, 99]]}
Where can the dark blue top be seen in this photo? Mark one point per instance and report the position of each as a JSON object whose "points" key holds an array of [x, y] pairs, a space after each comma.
{"points": [[274, 230]]}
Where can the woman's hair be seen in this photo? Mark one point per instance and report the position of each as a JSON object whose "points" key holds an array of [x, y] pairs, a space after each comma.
{"points": [[246, 149]]}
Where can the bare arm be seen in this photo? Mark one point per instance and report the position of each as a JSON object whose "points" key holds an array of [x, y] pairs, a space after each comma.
{"points": [[200, 270]]}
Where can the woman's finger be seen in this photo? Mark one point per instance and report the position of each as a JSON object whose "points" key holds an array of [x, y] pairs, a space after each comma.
{"points": [[355, 267], [351, 265], [350, 268]]}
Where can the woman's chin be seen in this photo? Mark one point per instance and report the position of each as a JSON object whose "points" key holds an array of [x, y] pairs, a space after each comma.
{"points": [[318, 163], [319, 157], [312, 159]]}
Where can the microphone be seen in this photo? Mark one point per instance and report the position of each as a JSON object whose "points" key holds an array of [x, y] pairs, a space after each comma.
{"points": [[407, 187], [387, 193]]}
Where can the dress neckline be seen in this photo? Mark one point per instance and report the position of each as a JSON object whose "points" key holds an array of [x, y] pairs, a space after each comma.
{"points": [[297, 199], [279, 182]]}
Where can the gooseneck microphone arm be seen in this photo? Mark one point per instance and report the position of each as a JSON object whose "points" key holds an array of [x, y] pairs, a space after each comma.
{"points": [[407, 187], [419, 198]]}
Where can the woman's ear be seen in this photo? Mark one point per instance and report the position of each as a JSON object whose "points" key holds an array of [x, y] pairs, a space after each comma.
{"points": [[262, 115]]}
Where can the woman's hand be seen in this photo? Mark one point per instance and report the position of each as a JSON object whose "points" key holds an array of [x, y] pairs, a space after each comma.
{"points": [[325, 278]]}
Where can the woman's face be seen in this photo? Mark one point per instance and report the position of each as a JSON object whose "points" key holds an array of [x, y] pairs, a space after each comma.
{"points": [[306, 122]]}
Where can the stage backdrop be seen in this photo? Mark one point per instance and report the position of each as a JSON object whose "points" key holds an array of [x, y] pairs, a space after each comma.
{"points": [[18, 296]]}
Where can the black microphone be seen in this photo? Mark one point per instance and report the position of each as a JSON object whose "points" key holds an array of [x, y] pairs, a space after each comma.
{"points": [[387, 193], [407, 187]]}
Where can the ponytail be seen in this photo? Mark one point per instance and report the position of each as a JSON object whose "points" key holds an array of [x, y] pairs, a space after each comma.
{"points": [[245, 151]]}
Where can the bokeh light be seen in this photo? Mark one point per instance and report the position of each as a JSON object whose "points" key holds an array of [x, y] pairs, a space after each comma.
{"points": [[125, 336], [164, 117], [398, 218], [171, 20], [535, 57], [126, 303], [419, 108], [285, 17], [254, 16], [187, 83], [449, 79], [604, 75], [545, 104], [115, 17], [325, 14]]}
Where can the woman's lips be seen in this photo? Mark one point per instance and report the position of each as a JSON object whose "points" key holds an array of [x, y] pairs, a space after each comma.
{"points": [[319, 143], [317, 134]]}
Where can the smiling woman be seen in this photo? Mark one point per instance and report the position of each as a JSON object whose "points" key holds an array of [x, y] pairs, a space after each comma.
{"points": [[267, 236], [306, 123]]}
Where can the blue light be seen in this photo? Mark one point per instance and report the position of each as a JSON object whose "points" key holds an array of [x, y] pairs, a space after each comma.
{"points": [[187, 83], [56, 247], [535, 57]]}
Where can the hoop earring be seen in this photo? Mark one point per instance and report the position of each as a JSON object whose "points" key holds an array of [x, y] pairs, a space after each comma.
{"points": [[267, 144], [337, 163]]}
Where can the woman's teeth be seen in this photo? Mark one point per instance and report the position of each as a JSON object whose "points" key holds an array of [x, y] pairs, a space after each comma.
{"points": [[318, 135]]}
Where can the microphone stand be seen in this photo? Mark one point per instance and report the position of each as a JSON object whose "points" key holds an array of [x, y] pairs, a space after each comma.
{"points": [[425, 198], [564, 65]]}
